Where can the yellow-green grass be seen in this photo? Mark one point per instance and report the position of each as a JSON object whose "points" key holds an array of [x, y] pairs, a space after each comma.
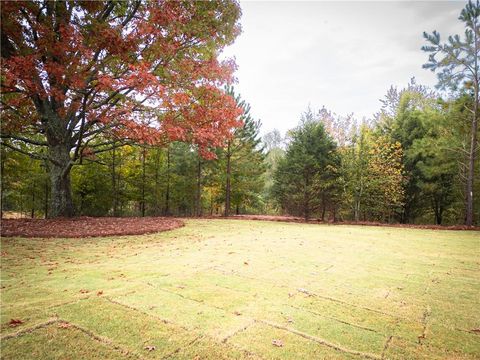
{"points": [[221, 289]]}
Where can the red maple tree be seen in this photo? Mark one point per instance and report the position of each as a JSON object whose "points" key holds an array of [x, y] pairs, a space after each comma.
{"points": [[79, 77]]}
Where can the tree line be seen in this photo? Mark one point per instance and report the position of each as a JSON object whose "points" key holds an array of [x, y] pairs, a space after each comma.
{"points": [[148, 180], [409, 164]]}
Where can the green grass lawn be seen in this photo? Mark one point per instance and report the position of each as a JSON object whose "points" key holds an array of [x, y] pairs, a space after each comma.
{"points": [[218, 289]]}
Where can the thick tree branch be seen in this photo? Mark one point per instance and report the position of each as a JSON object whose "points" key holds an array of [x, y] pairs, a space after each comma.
{"points": [[24, 139], [21, 151]]}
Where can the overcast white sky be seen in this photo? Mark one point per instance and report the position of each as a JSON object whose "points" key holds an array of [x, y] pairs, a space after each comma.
{"points": [[344, 55]]}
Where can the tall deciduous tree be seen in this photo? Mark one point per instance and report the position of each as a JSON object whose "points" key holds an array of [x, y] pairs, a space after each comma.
{"points": [[75, 71], [457, 61], [385, 178], [355, 159], [373, 175]]}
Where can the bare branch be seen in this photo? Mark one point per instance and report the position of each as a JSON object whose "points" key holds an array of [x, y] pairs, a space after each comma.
{"points": [[119, 145]]}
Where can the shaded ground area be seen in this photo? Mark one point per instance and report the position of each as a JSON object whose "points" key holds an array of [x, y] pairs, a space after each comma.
{"points": [[86, 226], [367, 223], [229, 289]]}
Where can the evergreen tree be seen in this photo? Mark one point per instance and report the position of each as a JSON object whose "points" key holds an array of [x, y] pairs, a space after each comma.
{"points": [[242, 158], [304, 176], [459, 64], [407, 128]]}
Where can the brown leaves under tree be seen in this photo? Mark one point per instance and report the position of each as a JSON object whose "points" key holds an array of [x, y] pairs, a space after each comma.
{"points": [[86, 226]]}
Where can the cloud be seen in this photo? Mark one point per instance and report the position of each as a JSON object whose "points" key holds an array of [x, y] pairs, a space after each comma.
{"points": [[344, 55]]}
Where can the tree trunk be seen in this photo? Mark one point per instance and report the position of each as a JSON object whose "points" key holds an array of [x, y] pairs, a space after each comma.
{"points": [[144, 155], [306, 199], [2, 182], [157, 182], [437, 209], [324, 207], [61, 194], [358, 203], [211, 203], [356, 210], [167, 193], [227, 185], [46, 200], [471, 162], [198, 195], [114, 184], [32, 212]]}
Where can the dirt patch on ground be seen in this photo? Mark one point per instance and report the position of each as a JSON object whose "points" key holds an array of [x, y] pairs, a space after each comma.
{"points": [[81, 227], [366, 223]]}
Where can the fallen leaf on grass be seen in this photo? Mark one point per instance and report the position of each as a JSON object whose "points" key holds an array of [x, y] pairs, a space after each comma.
{"points": [[277, 343], [15, 322], [245, 263], [100, 293], [150, 347], [238, 313], [305, 291], [475, 331], [83, 291], [64, 325]]}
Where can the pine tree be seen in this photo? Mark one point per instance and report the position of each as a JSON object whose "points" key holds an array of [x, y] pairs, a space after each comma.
{"points": [[242, 158], [304, 176], [459, 64]]}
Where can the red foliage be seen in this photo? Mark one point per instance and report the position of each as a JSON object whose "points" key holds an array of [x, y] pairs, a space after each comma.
{"points": [[86, 227], [153, 76]]}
